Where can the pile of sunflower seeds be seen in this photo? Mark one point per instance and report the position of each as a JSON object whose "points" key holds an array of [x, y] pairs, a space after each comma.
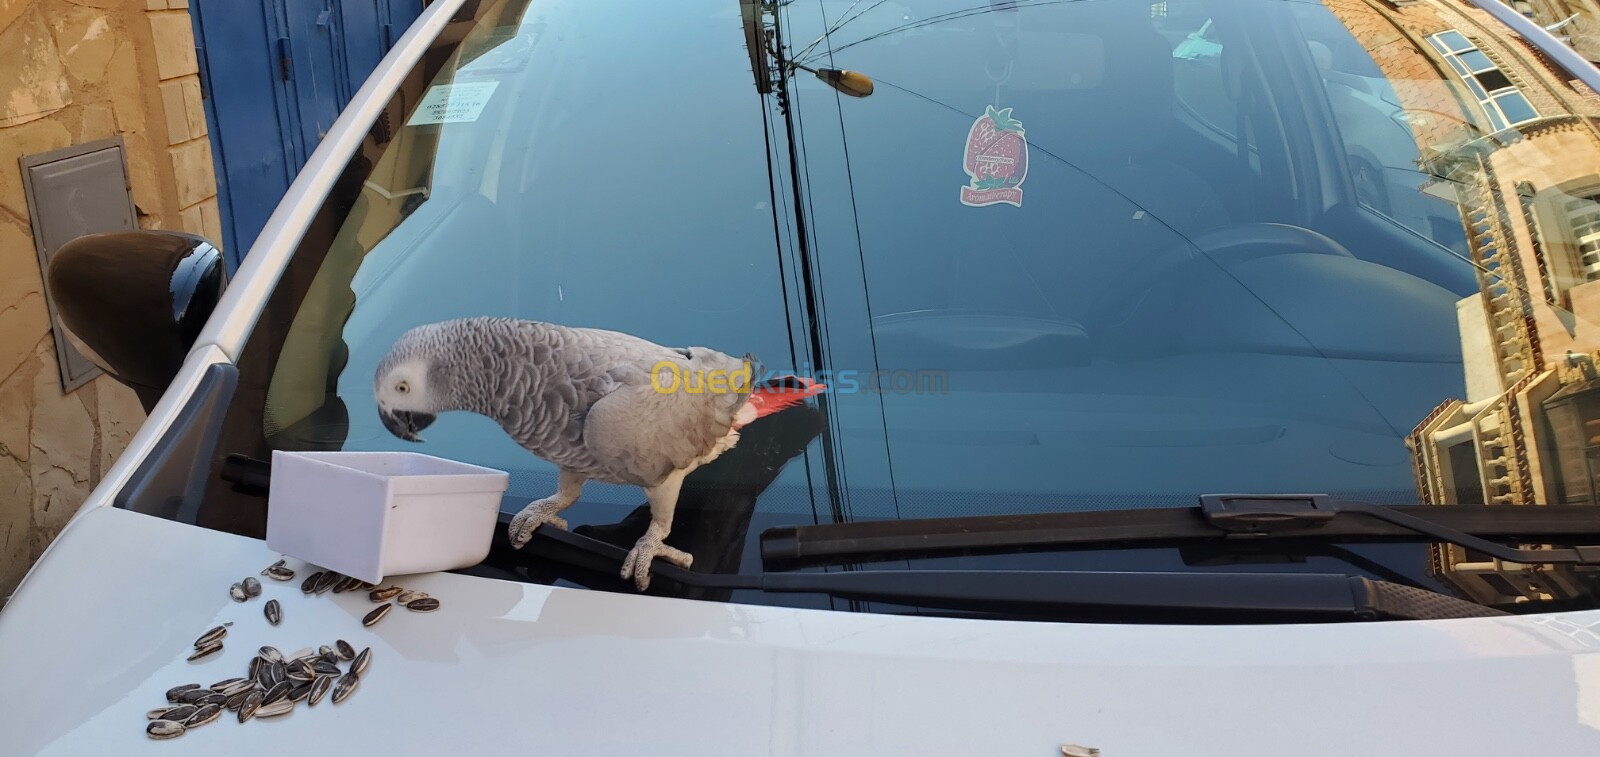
{"points": [[275, 683]]}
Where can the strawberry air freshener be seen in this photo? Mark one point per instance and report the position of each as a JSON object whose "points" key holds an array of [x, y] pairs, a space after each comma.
{"points": [[996, 160]]}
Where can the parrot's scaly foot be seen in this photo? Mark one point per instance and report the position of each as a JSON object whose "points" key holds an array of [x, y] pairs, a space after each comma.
{"points": [[536, 514], [650, 546]]}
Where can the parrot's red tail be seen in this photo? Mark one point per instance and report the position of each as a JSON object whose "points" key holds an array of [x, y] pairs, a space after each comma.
{"points": [[780, 394]]}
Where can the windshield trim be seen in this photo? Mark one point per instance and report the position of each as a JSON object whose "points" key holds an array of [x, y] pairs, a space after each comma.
{"points": [[1544, 41]]}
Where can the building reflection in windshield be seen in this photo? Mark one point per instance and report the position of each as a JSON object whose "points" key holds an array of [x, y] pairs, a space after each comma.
{"points": [[1523, 167]]}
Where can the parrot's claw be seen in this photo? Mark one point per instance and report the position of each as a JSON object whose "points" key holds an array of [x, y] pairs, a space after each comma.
{"points": [[650, 546], [536, 514]]}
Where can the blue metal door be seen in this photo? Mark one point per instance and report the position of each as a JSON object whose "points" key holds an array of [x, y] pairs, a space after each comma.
{"points": [[275, 74]]}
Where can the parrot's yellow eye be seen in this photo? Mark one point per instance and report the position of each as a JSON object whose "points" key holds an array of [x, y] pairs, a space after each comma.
{"points": [[402, 387]]}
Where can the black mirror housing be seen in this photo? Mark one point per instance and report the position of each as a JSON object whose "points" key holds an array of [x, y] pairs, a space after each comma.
{"points": [[134, 302]]}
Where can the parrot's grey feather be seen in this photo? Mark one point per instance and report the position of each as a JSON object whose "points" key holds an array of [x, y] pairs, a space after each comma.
{"points": [[580, 398]]}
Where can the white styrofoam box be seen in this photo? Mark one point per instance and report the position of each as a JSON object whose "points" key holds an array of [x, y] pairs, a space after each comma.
{"points": [[374, 514]]}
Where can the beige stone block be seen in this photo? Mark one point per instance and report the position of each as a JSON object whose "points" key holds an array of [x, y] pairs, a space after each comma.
{"points": [[19, 265], [17, 141], [24, 320], [16, 413], [16, 519], [99, 122], [10, 10], [62, 439], [211, 222], [174, 45], [148, 165], [191, 169], [100, 3], [173, 108], [126, 90], [177, 4], [194, 106], [120, 416], [192, 220], [57, 495], [86, 40], [155, 5], [33, 81]]}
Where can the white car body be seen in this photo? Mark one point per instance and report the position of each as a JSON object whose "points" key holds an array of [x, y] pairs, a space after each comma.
{"points": [[102, 625]]}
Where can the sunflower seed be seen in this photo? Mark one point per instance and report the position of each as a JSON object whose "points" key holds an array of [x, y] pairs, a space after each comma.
{"points": [[214, 634], [215, 646], [362, 661], [278, 671], [254, 671], [407, 597], [237, 699], [229, 683], [191, 696], [299, 693], [278, 691], [237, 592], [164, 729], [273, 611], [319, 689], [280, 707], [273, 566], [426, 604], [328, 580], [252, 702], [271, 654], [346, 652], [325, 651], [203, 715], [300, 670], [172, 693], [242, 685], [280, 574], [385, 594], [347, 684], [310, 584], [211, 698], [347, 584], [376, 615], [179, 713], [158, 713], [325, 668], [252, 587]]}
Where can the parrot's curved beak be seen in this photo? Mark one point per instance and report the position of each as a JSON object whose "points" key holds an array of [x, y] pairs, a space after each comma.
{"points": [[405, 424]]}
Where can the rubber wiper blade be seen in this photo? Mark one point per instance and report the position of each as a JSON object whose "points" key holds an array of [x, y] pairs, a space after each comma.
{"points": [[1226, 516], [1069, 595]]}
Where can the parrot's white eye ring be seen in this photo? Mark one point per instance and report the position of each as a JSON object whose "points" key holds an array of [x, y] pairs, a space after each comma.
{"points": [[402, 387]]}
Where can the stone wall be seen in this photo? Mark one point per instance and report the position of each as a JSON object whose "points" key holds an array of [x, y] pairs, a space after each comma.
{"points": [[75, 71]]}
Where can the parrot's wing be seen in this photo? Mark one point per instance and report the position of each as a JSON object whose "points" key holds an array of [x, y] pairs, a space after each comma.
{"points": [[642, 434]]}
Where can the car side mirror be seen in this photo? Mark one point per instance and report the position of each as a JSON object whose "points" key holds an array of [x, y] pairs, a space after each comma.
{"points": [[133, 302]]}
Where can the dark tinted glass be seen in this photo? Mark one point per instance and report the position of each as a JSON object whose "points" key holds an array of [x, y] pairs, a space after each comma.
{"points": [[1101, 254]]}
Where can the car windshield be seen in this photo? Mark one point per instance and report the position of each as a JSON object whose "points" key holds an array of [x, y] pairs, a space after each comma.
{"points": [[1066, 255]]}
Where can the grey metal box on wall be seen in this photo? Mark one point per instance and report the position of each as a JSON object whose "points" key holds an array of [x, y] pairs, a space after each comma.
{"points": [[78, 190]]}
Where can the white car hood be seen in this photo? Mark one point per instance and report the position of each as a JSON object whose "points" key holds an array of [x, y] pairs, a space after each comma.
{"points": [[102, 627]]}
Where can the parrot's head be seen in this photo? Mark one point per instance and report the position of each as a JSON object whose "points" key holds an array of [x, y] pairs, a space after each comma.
{"points": [[408, 385]]}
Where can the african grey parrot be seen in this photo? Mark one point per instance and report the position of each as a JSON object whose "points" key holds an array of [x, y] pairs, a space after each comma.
{"points": [[584, 400]]}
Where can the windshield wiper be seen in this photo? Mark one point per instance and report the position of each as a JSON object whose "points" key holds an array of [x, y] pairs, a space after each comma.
{"points": [[1219, 516], [1074, 595]]}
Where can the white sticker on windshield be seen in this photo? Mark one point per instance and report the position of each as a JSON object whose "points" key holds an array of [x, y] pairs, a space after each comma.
{"points": [[452, 103]]}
